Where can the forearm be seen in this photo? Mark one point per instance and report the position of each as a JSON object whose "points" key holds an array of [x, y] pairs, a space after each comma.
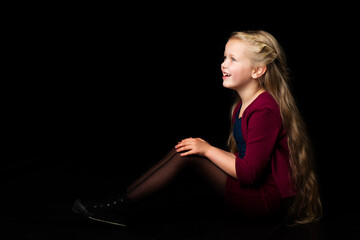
{"points": [[223, 159]]}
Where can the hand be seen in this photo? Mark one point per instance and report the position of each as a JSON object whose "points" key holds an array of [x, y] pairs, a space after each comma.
{"points": [[191, 146]]}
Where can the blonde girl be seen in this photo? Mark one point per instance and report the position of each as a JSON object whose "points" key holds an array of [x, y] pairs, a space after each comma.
{"points": [[268, 171]]}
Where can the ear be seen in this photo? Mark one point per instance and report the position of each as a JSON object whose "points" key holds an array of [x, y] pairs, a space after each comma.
{"points": [[258, 71]]}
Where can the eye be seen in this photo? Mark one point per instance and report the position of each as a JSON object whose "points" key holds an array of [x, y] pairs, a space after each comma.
{"points": [[232, 59]]}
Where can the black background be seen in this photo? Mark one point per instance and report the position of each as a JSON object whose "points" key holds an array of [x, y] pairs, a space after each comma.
{"points": [[126, 85]]}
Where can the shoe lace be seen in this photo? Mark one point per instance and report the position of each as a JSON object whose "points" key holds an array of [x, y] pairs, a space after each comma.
{"points": [[109, 201]]}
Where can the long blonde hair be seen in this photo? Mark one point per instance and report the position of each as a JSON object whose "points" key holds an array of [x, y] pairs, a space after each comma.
{"points": [[265, 50]]}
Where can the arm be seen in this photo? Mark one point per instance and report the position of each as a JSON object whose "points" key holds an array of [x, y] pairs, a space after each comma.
{"points": [[263, 129], [262, 134], [224, 160]]}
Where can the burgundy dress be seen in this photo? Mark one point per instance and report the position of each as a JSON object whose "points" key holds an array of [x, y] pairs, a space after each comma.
{"points": [[262, 163]]}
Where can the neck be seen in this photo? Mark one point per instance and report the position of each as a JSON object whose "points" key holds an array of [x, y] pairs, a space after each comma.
{"points": [[249, 93]]}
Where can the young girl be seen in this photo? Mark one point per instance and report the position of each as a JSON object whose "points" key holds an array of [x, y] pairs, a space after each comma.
{"points": [[268, 171]]}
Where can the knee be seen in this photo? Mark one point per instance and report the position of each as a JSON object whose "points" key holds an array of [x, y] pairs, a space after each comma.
{"points": [[181, 158], [191, 159]]}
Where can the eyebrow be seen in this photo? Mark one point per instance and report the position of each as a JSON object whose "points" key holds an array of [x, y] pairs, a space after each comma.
{"points": [[230, 55]]}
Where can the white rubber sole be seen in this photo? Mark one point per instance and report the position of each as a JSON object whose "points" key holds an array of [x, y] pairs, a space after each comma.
{"points": [[114, 223], [79, 210]]}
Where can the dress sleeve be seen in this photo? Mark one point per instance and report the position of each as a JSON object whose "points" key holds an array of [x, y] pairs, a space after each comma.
{"points": [[262, 133]]}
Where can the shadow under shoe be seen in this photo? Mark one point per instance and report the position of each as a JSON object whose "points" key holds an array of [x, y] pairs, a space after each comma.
{"points": [[112, 210]]}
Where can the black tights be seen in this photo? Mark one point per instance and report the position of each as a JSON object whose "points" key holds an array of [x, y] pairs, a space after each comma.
{"points": [[162, 173]]}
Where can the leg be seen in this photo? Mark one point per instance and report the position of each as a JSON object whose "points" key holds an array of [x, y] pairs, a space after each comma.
{"points": [[169, 168], [115, 208], [151, 170]]}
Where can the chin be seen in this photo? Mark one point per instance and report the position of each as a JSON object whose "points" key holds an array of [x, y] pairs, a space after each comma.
{"points": [[227, 84]]}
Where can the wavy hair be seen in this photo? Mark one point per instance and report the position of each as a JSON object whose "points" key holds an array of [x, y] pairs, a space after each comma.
{"points": [[265, 50]]}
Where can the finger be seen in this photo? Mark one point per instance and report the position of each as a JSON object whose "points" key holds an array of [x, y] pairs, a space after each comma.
{"points": [[190, 140], [185, 148], [181, 144], [184, 154]]}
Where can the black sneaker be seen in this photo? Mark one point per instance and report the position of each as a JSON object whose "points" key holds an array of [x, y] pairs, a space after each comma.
{"points": [[111, 210]]}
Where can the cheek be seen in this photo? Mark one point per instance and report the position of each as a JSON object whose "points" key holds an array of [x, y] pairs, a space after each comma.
{"points": [[239, 77]]}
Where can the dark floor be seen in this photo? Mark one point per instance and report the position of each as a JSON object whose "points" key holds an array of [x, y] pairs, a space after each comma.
{"points": [[36, 204]]}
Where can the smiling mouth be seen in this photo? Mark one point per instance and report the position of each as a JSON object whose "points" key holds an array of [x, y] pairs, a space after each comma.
{"points": [[226, 74]]}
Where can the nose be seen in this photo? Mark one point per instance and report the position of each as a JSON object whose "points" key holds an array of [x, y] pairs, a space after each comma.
{"points": [[223, 64]]}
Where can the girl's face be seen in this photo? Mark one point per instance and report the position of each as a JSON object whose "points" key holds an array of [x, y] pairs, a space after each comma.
{"points": [[237, 69]]}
